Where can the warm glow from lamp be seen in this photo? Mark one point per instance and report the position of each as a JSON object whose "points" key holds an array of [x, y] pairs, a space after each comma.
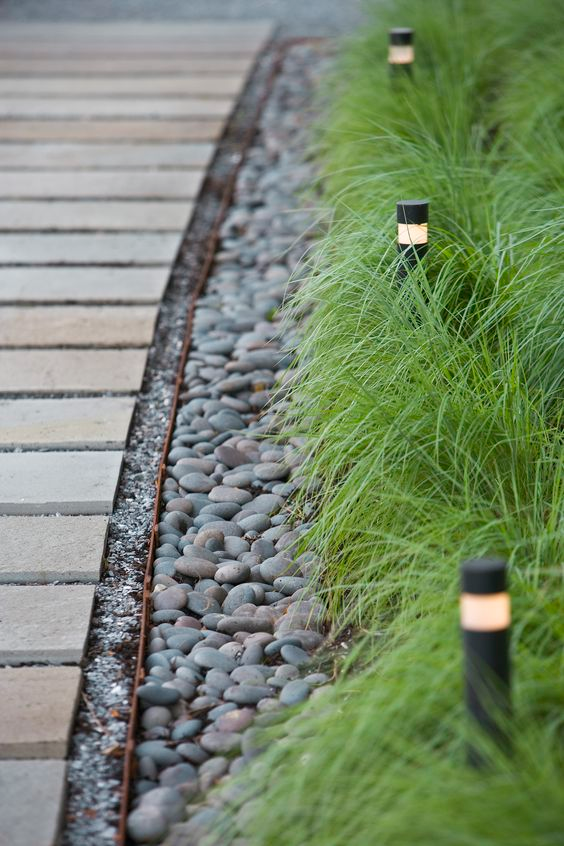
{"points": [[401, 54], [485, 612], [413, 233]]}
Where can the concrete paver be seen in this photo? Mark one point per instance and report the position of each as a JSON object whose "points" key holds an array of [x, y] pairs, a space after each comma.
{"points": [[118, 32], [195, 129], [91, 107], [98, 156], [44, 623], [58, 482], [203, 67], [38, 705], [129, 184], [148, 46], [47, 371], [77, 325], [31, 802], [78, 423], [178, 84], [82, 284], [51, 549], [82, 215], [62, 248]]}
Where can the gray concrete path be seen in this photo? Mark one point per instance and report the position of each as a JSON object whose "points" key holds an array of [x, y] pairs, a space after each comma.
{"points": [[105, 134]]}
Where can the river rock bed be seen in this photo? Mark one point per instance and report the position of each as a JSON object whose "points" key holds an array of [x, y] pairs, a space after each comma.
{"points": [[235, 623]]}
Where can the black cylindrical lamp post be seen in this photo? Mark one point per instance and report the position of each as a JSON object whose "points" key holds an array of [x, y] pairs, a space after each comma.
{"points": [[401, 52], [485, 615], [413, 234]]}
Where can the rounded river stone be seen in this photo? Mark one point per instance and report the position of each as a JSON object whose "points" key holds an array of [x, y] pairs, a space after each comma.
{"points": [[247, 694], [154, 694], [294, 692], [233, 572], [295, 655], [170, 599], [213, 659]]}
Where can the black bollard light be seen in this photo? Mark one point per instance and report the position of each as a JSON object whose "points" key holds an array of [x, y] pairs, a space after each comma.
{"points": [[401, 52], [413, 234], [485, 615]]}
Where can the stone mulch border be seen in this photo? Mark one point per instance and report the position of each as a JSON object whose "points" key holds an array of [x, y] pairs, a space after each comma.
{"points": [[235, 623]]}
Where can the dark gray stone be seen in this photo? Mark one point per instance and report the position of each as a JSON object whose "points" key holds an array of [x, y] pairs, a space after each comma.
{"points": [[233, 572], [294, 692], [266, 504], [200, 604], [187, 729], [154, 694], [232, 625], [237, 596], [247, 694], [295, 655], [158, 751], [288, 585], [213, 659]]}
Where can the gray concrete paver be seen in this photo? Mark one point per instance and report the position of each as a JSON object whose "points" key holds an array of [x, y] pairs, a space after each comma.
{"points": [[147, 248], [87, 107], [52, 371], [39, 550], [77, 326], [58, 482], [162, 86], [38, 706], [63, 156], [31, 802], [42, 624], [107, 185], [82, 284], [192, 129], [104, 216], [77, 423]]}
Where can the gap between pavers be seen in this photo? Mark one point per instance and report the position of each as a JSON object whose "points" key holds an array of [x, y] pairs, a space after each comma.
{"points": [[39, 550], [44, 624], [82, 284], [144, 248], [97, 215], [99, 156], [78, 423], [77, 325], [38, 707], [58, 482], [47, 371], [32, 797]]}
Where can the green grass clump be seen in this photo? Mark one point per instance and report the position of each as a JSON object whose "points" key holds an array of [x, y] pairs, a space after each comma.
{"points": [[432, 410]]}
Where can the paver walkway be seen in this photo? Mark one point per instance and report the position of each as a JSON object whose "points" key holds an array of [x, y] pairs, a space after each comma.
{"points": [[105, 133]]}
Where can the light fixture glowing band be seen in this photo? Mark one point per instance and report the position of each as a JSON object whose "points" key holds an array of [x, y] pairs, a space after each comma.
{"points": [[401, 52], [485, 612], [412, 233]]}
